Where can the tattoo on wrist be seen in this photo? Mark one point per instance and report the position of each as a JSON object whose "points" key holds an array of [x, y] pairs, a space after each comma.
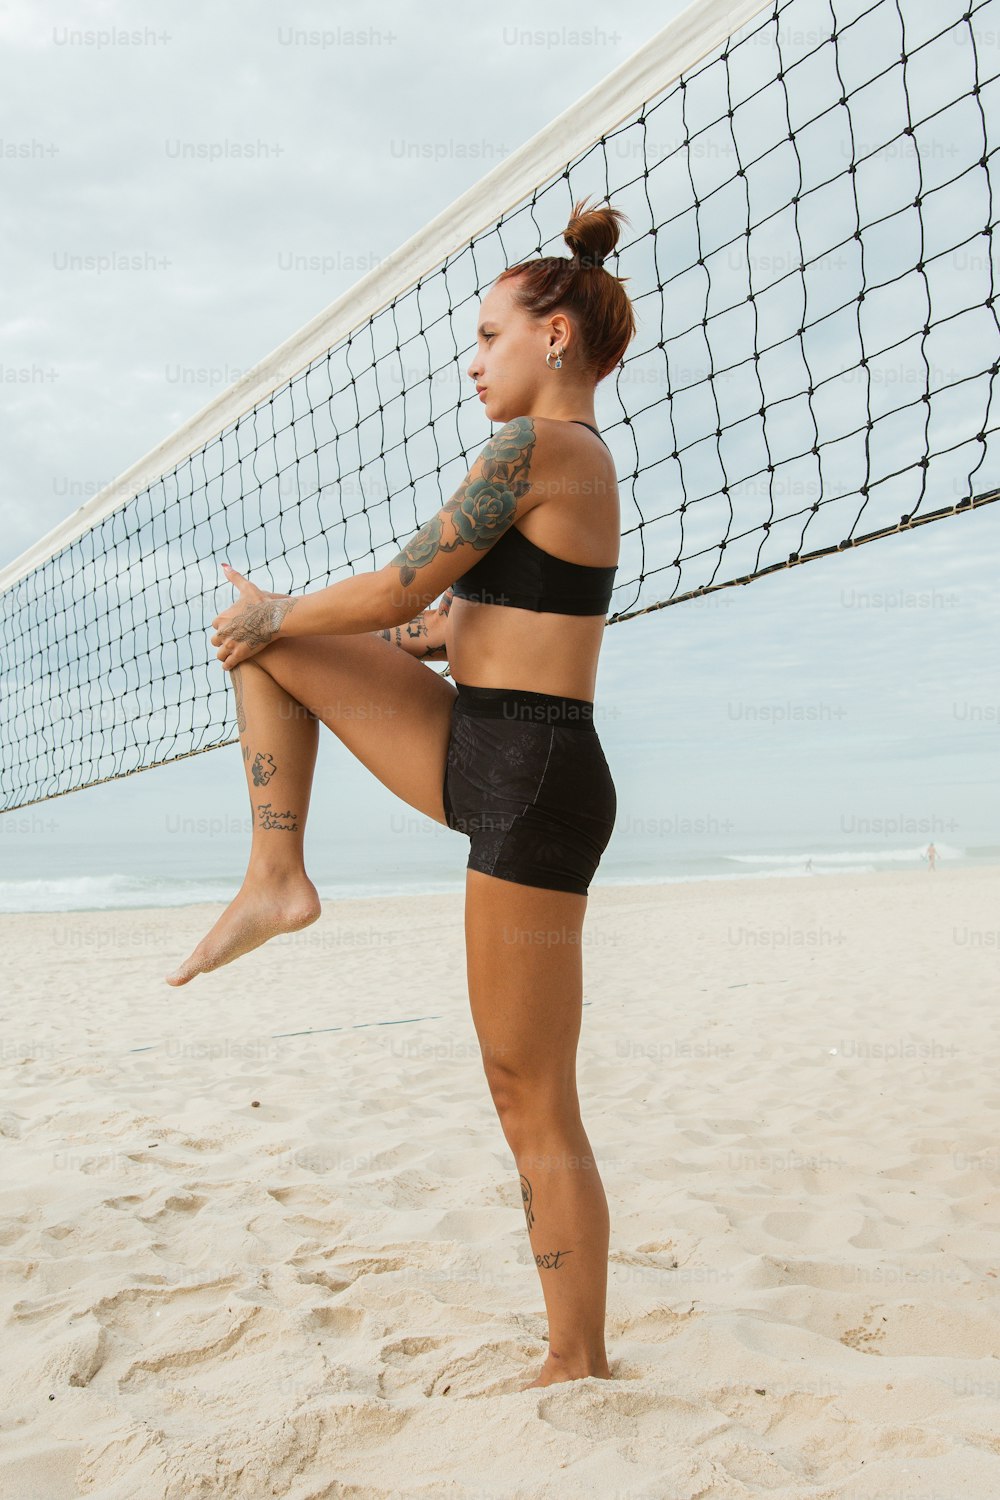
{"points": [[416, 630], [257, 623]]}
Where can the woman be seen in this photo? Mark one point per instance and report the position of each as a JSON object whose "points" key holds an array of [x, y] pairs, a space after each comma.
{"points": [[524, 555]]}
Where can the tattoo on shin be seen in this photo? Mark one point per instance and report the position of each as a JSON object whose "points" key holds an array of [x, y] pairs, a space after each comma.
{"points": [[241, 715], [263, 769], [550, 1262], [268, 818], [526, 1201]]}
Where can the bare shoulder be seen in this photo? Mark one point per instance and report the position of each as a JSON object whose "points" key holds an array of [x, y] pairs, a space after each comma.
{"points": [[568, 436], [573, 464], [529, 461], [531, 438], [509, 462], [569, 448]]}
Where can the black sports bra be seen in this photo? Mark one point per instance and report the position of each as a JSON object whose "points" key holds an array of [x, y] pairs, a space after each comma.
{"points": [[519, 573]]}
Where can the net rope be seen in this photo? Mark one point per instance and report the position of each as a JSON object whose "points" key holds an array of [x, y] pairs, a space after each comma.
{"points": [[811, 256]]}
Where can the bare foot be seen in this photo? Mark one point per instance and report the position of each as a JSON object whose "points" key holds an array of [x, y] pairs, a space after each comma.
{"points": [[555, 1371], [258, 912]]}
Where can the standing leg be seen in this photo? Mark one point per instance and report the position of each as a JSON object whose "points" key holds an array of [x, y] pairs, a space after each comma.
{"points": [[525, 975], [279, 739]]}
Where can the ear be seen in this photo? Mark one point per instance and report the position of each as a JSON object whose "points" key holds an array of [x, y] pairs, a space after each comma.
{"points": [[561, 329]]}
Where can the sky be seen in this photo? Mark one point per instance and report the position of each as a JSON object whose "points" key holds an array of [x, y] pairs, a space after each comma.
{"points": [[853, 698]]}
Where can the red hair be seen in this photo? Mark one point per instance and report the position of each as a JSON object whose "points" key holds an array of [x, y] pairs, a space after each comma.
{"points": [[595, 298]]}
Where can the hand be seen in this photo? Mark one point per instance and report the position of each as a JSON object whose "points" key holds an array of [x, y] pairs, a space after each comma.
{"points": [[250, 624]]}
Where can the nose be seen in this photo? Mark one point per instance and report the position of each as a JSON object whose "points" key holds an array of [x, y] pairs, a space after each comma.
{"points": [[473, 369]]}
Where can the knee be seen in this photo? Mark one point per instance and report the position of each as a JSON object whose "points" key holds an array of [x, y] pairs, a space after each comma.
{"points": [[274, 658], [508, 1090], [272, 652], [527, 1102]]}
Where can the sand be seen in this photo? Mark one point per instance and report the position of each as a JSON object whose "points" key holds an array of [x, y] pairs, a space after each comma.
{"points": [[239, 1260]]}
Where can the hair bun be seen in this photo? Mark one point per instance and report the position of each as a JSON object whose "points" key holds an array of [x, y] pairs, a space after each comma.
{"points": [[592, 234], [599, 306]]}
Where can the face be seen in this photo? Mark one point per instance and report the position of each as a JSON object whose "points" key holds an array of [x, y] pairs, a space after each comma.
{"points": [[509, 362]]}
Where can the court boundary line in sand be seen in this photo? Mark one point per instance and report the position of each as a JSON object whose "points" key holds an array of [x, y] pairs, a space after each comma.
{"points": [[322, 1030]]}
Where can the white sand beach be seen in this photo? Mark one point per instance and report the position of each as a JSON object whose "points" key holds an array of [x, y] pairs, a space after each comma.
{"points": [[263, 1236]]}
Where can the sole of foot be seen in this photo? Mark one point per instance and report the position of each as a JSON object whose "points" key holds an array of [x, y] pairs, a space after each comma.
{"points": [[251, 919]]}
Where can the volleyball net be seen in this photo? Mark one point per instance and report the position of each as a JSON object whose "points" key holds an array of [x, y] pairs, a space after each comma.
{"points": [[810, 251]]}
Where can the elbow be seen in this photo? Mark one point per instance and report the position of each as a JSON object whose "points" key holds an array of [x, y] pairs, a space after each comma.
{"points": [[398, 603]]}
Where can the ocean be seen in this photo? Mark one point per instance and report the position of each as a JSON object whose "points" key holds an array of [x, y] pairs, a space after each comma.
{"points": [[80, 876]]}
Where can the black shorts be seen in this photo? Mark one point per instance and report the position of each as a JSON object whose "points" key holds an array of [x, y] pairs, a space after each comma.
{"points": [[527, 781]]}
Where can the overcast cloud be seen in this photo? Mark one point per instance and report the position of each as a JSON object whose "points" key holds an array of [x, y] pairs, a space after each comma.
{"points": [[179, 201]]}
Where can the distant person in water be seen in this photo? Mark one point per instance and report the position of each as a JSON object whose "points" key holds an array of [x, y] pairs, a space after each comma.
{"points": [[809, 866], [931, 856]]}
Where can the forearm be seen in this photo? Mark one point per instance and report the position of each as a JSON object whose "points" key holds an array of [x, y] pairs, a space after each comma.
{"points": [[354, 606], [417, 637], [368, 603], [425, 636]]}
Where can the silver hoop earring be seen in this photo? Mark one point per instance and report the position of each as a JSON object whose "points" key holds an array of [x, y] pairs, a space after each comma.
{"points": [[558, 363]]}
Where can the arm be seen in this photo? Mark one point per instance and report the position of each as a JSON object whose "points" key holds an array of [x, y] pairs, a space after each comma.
{"points": [[425, 636], [496, 490]]}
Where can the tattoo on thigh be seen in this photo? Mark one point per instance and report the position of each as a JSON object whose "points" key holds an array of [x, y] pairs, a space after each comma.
{"points": [[271, 819], [263, 769], [246, 752], [550, 1262], [241, 717], [526, 1201]]}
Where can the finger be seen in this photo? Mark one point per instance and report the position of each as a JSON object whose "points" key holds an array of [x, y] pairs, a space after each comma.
{"points": [[238, 580]]}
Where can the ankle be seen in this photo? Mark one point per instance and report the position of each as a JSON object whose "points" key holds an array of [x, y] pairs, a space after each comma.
{"points": [[267, 869], [578, 1365]]}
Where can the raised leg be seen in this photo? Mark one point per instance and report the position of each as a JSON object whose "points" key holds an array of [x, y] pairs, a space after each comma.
{"points": [[391, 711], [526, 989], [278, 741]]}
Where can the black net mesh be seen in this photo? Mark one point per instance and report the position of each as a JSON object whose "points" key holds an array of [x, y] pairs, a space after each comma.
{"points": [[811, 256]]}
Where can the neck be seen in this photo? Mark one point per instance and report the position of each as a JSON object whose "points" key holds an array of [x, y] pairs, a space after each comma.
{"points": [[572, 410]]}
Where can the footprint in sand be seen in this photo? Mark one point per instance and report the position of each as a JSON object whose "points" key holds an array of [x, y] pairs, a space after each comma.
{"points": [[865, 1338], [637, 1422], [434, 1367]]}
